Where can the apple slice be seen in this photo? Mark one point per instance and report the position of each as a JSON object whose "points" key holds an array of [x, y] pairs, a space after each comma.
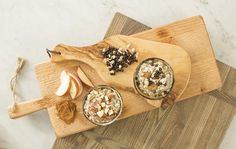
{"points": [[73, 89], [83, 77], [65, 84], [78, 84]]}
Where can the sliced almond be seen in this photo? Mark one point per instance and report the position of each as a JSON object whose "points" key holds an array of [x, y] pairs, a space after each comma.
{"points": [[79, 85], [83, 77], [73, 89], [65, 84]]}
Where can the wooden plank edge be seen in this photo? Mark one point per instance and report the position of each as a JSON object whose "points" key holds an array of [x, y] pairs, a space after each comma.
{"points": [[213, 53]]}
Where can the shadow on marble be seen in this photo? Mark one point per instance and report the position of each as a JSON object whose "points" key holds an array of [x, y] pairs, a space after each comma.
{"points": [[40, 120], [4, 135]]}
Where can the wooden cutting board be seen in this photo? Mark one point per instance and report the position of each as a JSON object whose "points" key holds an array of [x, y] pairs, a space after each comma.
{"points": [[199, 122]]}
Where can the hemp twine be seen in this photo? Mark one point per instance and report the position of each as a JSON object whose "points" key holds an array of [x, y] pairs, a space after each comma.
{"points": [[13, 82]]}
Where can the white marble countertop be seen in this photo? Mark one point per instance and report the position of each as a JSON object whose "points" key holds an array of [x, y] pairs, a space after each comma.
{"points": [[28, 27]]}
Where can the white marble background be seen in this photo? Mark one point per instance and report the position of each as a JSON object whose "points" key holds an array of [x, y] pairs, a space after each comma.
{"points": [[28, 27]]}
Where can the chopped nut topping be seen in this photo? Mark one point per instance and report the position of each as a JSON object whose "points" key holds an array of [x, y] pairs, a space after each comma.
{"points": [[154, 78], [102, 105]]}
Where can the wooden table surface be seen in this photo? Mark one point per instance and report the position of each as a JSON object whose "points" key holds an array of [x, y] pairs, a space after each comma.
{"points": [[199, 122]]}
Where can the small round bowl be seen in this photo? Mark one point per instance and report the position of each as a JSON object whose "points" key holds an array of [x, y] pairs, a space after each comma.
{"points": [[120, 110], [136, 73]]}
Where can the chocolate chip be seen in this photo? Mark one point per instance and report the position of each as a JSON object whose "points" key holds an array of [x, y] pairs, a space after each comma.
{"points": [[156, 74]]}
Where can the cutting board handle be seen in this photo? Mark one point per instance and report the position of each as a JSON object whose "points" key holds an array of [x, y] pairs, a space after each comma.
{"points": [[27, 107], [88, 54]]}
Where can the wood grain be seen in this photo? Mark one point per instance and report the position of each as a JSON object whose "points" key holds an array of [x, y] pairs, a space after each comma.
{"points": [[175, 56], [199, 122]]}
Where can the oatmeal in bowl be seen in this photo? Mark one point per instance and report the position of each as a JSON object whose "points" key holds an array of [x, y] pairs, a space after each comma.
{"points": [[153, 78], [102, 105]]}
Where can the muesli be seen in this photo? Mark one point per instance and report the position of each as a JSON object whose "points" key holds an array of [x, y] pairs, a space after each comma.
{"points": [[154, 78], [102, 105]]}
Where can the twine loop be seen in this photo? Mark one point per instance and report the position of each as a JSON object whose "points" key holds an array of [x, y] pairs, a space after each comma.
{"points": [[13, 82]]}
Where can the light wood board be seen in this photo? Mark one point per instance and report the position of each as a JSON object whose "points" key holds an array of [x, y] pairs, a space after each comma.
{"points": [[199, 122], [190, 34], [175, 56]]}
